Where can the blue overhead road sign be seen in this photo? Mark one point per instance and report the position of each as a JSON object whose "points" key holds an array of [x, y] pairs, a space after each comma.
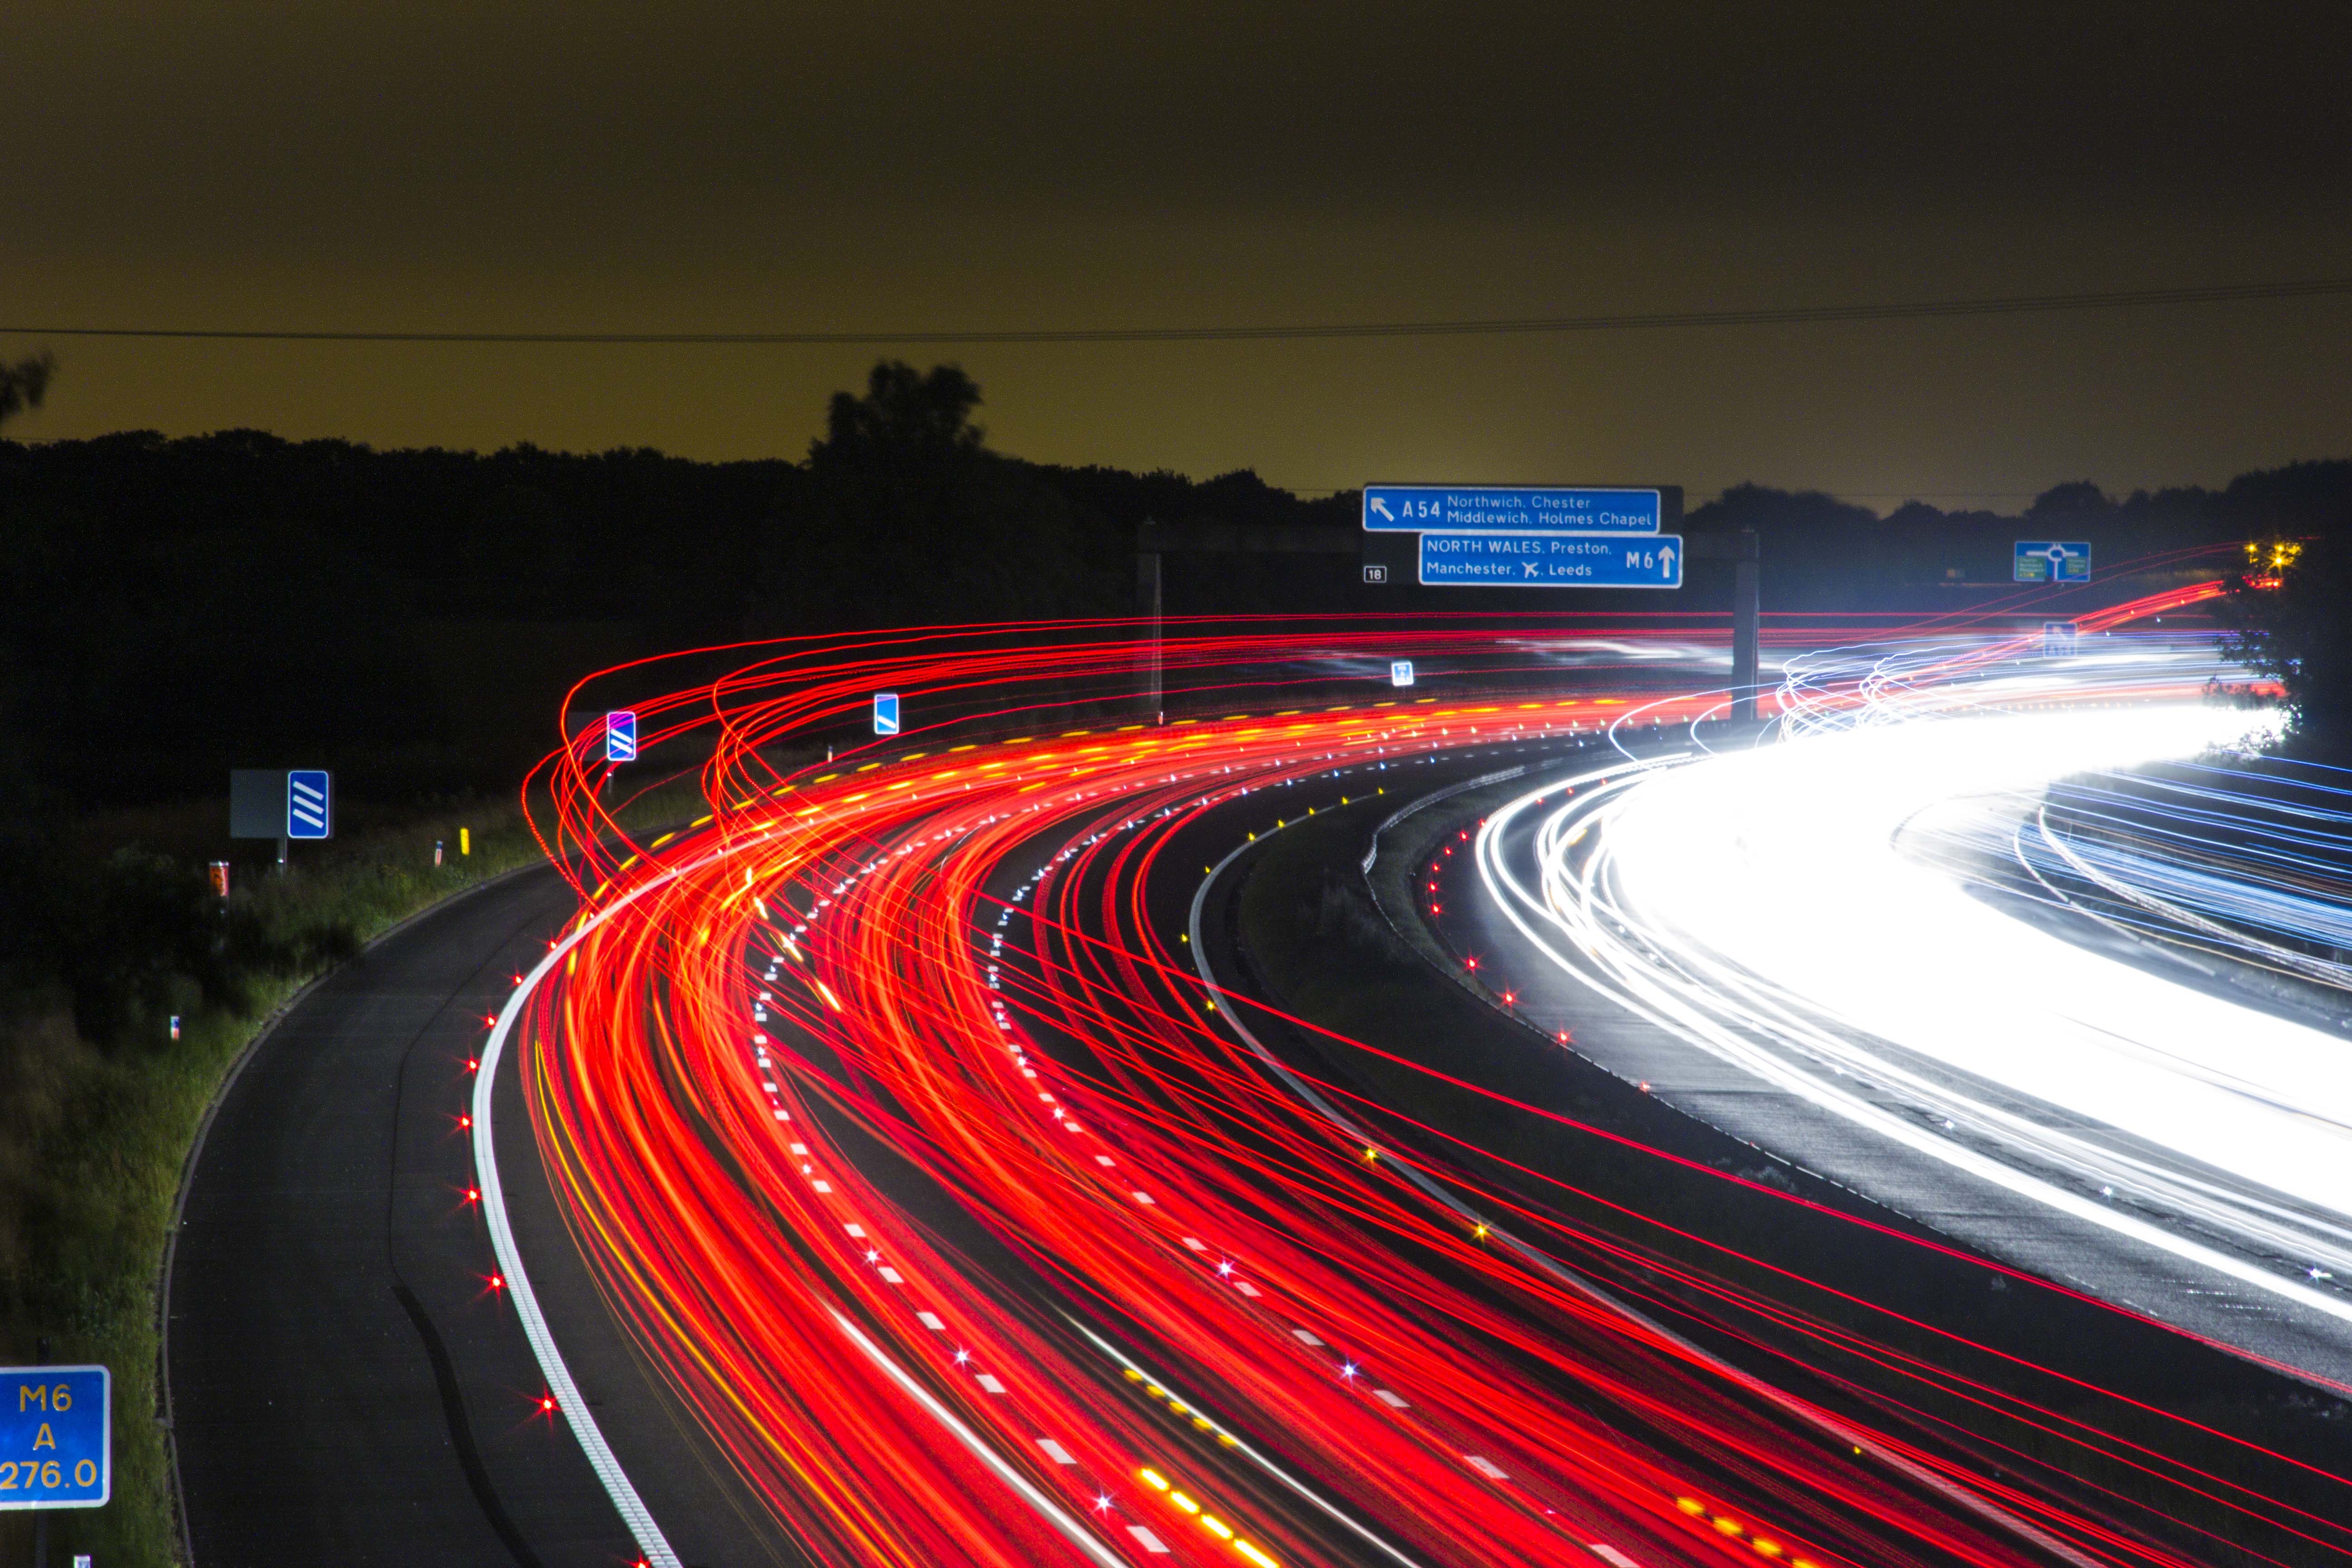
{"points": [[1550, 561], [885, 712], [2053, 560], [1482, 509], [310, 804], [621, 737], [56, 1438]]}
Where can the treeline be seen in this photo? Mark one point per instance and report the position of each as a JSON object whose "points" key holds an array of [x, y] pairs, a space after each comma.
{"points": [[1822, 554], [2281, 538], [170, 608]]}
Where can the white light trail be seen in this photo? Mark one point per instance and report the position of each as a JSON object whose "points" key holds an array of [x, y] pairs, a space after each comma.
{"points": [[1777, 907]]}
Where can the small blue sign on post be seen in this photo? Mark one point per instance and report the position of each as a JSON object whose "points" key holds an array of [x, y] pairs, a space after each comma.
{"points": [[885, 712], [56, 1432], [1550, 561], [2051, 561], [1400, 672], [621, 737], [310, 804], [1488, 509]]}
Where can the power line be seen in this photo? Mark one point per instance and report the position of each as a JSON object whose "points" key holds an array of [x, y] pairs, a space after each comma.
{"points": [[2003, 305]]}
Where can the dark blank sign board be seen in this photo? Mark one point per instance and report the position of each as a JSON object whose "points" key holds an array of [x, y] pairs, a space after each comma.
{"points": [[256, 803]]}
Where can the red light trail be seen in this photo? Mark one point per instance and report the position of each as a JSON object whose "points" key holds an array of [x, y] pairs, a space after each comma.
{"points": [[1169, 1308]]}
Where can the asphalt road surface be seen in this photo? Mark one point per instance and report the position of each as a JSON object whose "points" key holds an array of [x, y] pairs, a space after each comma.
{"points": [[346, 1385], [350, 1384]]}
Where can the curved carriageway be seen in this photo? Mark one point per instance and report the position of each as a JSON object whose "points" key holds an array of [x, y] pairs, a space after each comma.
{"points": [[1230, 1333]]}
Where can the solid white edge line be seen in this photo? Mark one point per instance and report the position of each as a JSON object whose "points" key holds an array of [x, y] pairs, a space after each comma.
{"points": [[618, 1486], [631, 1507], [1047, 1508]]}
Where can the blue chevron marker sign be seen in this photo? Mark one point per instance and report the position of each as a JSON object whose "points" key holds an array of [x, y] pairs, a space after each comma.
{"points": [[621, 737], [310, 804]]}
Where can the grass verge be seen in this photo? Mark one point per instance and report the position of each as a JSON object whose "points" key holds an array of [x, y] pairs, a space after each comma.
{"points": [[93, 1141]]}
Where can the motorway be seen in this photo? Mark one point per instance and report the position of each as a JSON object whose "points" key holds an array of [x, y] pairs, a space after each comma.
{"points": [[1808, 946], [895, 1166], [342, 1386]]}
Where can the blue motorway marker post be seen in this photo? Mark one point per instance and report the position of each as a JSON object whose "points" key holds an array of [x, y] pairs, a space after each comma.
{"points": [[56, 1432], [1487, 508], [621, 737], [310, 804], [1550, 561], [2051, 561], [885, 712]]}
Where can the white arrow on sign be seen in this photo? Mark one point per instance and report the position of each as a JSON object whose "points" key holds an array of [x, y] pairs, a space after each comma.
{"points": [[1666, 560], [1383, 507]]}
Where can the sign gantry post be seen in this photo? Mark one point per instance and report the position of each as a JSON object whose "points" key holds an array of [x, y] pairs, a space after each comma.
{"points": [[1147, 604], [1155, 540], [1746, 555]]}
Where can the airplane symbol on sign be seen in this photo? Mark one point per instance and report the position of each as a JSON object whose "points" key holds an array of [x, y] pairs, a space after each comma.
{"points": [[1528, 567]]}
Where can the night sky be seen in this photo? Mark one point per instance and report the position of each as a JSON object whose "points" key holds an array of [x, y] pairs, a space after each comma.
{"points": [[542, 167]]}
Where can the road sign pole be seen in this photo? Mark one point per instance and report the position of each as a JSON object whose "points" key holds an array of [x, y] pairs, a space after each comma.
{"points": [[1148, 606], [1747, 626], [282, 853]]}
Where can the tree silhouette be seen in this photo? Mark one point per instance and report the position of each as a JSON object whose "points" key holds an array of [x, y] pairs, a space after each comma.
{"points": [[2285, 612], [25, 384], [905, 416]]}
